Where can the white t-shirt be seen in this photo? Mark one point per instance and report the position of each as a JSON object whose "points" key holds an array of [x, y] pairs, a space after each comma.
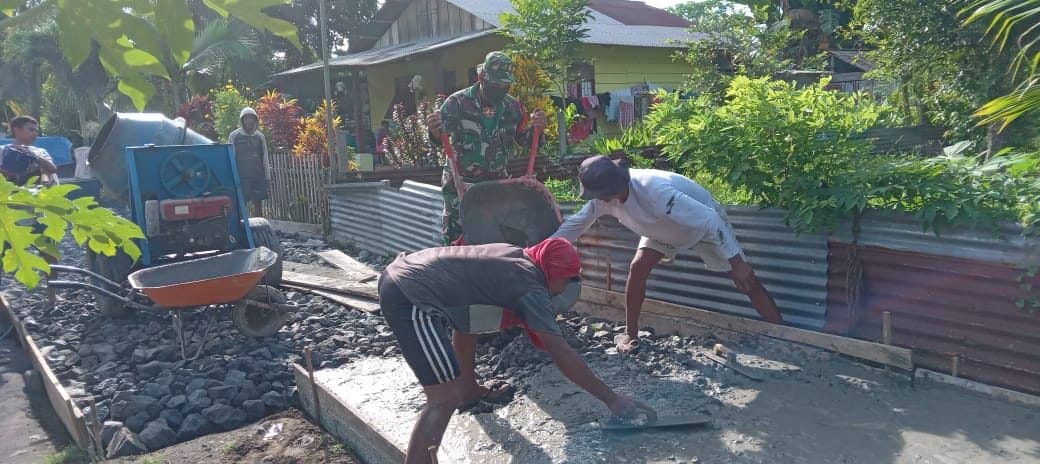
{"points": [[664, 207]]}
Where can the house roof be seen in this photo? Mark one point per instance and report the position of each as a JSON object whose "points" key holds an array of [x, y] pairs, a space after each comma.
{"points": [[369, 33], [612, 22], [609, 18], [637, 13], [857, 58], [391, 53]]}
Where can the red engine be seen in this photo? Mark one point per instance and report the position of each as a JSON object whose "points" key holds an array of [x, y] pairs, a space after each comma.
{"points": [[194, 208]]}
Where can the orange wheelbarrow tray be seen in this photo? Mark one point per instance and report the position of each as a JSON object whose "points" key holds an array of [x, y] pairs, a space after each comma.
{"points": [[212, 280], [219, 279]]}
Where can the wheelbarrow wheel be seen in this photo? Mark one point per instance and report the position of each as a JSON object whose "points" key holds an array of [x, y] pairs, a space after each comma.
{"points": [[261, 313], [114, 268], [264, 235]]}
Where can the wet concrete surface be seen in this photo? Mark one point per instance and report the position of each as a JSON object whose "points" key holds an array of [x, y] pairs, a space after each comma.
{"points": [[812, 407]]}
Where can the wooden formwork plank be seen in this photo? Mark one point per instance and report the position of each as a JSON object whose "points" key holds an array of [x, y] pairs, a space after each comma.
{"points": [[888, 355], [330, 284], [362, 304], [347, 263], [1010, 396], [70, 415], [344, 423]]}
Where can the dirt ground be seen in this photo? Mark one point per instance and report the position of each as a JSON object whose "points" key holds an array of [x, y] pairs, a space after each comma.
{"points": [[286, 438], [24, 412]]}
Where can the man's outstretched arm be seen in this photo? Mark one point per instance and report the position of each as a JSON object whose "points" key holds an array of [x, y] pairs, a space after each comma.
{"points": [[575, 369]]}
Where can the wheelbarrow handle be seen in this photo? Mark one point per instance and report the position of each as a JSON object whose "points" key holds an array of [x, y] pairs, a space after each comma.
{"points": [[449, 152], [75, 270], [75, 284], [533, 155]]}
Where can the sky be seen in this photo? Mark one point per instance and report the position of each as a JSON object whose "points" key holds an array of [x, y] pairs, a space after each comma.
{"points": [[663, 3]]}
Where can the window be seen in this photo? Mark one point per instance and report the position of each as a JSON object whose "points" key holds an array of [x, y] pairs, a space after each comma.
{"points": [[582, 81], [448, 83]]}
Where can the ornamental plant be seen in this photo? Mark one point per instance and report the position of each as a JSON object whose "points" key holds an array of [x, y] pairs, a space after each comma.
{"points": [[279, 120], [532, 88], [314, 136], [409, 141], [198, 114], [802, 149], [227, 105]]}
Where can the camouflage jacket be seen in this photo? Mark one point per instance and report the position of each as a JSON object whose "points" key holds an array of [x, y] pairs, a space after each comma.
{"points": [[484, 139]]}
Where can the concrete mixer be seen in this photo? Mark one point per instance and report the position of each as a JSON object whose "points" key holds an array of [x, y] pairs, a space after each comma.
{"points": [[182, 189]]}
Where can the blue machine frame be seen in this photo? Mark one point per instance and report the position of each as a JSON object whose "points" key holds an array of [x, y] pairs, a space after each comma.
{"points": [[145, 166]]}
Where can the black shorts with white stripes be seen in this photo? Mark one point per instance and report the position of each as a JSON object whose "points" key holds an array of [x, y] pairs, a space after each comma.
{"points": [[422, 334]]}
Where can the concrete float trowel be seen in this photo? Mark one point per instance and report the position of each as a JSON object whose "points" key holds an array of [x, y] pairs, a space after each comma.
{"points": [[689, 420]]}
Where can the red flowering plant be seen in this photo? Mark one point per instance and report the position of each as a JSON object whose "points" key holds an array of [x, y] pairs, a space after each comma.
{"points": [[280, 120], [198, 115]]}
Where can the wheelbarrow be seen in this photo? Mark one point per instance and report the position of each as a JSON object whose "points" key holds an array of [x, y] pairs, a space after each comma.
{"points": [[519, 211], [222, 280]]}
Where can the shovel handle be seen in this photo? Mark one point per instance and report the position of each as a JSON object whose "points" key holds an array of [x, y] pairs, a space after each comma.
{"points": [[533, 155], [449, 152]]}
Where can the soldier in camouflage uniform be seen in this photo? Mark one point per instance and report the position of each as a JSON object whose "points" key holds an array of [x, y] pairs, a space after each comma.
{"points": [[487, 127]]}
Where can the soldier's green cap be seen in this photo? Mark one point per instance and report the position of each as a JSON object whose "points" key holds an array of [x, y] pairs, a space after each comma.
{"points": [[498, 67]]}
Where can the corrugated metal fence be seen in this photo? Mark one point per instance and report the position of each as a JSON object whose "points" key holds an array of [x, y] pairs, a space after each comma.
{"points": [[952, 296], [793, 267], [385, 220]]}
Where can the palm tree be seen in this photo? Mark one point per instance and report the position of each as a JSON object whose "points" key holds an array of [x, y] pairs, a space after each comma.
{"points": [[1012, 24], [220, 50]]}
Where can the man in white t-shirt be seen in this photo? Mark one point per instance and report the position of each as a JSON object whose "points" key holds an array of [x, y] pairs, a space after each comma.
{"points": [[672, 213]]}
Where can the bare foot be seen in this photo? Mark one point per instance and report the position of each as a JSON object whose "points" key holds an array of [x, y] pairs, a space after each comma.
{"points": [[625, 343], [495, 391]]}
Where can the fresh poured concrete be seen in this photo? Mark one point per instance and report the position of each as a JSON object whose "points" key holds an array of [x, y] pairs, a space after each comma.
{"points": [[812, 407]]}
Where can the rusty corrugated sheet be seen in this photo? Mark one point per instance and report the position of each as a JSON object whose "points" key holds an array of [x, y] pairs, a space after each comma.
{"points": [[941, 307], [793, 267], [897, 231]]}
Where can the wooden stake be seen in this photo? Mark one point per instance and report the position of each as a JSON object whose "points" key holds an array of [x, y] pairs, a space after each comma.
{"points": [[610, 276], [955, 365], [96, 429], [886, 328], [307, 353]]}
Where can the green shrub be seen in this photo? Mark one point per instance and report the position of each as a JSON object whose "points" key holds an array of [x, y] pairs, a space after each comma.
{"points": [[789, 147], [565, 190], [227, 105], [801, 149]]}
